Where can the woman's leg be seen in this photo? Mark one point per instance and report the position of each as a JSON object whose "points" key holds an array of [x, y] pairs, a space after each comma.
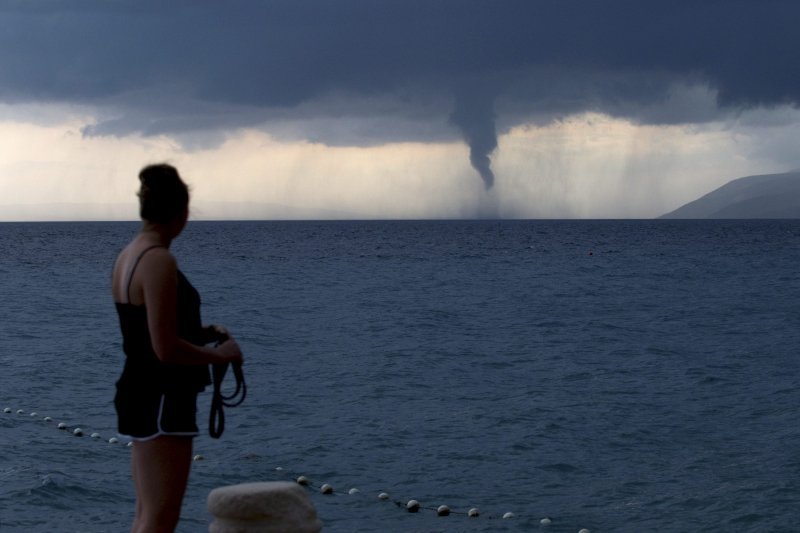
{"points": [[160, 473], [135, 526]]}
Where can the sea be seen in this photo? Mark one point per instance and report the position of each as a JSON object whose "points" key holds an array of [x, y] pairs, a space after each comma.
{"points": [[608, 375]]}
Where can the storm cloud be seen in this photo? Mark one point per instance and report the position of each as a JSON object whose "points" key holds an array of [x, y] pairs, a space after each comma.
{"points": [[397, 69]]}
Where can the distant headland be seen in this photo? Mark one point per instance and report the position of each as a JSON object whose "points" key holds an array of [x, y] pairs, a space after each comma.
{"points": [[762, 196]]}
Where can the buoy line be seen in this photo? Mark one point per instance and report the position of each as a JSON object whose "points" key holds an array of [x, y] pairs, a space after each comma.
{"points": [[76, 430], [411, 505], [414, 506]]}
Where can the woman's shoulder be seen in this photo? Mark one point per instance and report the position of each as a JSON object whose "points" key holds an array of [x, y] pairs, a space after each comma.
{"points": [[142, 255], [154, 256], [140, 262], [139, 249]]}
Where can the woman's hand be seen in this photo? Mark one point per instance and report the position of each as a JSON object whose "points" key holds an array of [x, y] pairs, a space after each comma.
{"points": [[229, 350], [221, 331]]}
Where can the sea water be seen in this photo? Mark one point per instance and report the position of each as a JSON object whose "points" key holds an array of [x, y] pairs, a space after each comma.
{"points": [[609, 375]]}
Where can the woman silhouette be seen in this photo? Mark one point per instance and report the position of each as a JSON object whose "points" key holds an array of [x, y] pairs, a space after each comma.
{"points": [[166, 357]]}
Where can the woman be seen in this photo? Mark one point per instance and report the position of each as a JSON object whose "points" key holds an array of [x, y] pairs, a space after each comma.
{"points": [[166, 362]]}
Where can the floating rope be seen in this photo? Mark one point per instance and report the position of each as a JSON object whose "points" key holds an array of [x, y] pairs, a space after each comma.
{"points": [[414, 506], [411, 505], [77, 431]]}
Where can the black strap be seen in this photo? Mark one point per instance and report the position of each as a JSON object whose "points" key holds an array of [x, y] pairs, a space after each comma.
{"points": [[133, 268], [216, 419]]}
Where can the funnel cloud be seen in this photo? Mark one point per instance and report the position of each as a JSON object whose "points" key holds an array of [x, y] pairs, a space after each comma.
{"points": [[474, 116]]}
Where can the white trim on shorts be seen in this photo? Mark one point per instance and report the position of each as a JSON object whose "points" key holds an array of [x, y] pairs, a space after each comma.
{"points": [[161, 432]]}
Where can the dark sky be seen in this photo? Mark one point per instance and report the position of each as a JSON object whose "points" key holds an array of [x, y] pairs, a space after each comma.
{"points": [[431, 69]]}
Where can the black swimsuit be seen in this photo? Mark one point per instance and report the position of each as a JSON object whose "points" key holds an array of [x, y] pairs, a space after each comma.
{"points": [[155, 398]]}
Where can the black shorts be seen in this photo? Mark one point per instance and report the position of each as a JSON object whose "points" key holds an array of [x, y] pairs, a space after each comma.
{"points": [[145, 413]]}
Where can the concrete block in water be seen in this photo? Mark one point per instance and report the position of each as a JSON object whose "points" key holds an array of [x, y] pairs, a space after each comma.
{"points": [[265, 507]]}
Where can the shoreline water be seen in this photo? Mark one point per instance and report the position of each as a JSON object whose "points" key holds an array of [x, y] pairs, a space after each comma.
{"points": [[496, 365]]}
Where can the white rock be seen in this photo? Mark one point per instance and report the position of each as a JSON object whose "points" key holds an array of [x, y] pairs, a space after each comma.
{"points": [[265, 507]]}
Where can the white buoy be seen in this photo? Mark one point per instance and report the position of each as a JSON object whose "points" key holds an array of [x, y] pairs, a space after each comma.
{"points": [[509, 515], [7, 410], [584, 530], [353, 491], [20, 412], [48, 419], [130, 444], [326, 489], [443, 510], [474, 512], [62, 425], [545, 521], [279, 469], [78, 432], [383, 496], [198, 457], [113, 440], [302, 480], [34, 415], [95, 435], [412, 506]]}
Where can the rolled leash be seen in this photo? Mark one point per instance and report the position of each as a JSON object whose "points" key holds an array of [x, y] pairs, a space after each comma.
{"points": [[216, 418]]}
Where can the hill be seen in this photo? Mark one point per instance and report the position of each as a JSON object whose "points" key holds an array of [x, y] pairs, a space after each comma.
{"points": [[763, 196]]}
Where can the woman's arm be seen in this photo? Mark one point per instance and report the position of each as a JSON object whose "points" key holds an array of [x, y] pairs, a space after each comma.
{"points": [[157, 275]]}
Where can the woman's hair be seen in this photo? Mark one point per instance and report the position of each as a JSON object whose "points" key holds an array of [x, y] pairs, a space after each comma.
{"points": [[163, 195]]}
